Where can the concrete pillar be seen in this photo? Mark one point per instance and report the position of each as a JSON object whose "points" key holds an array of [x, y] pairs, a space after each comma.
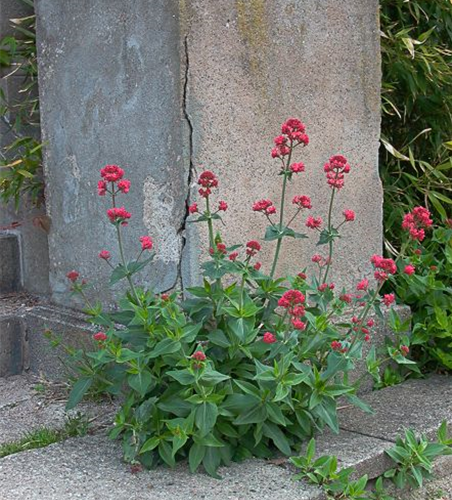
{"points": [[110, 89], [254, 63]]}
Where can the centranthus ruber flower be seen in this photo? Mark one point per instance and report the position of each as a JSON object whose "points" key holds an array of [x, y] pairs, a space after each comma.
{"points": [[105, 255], [416, 221], [296, 168], [100, 336], [388, 299], [193, 208], [222, 206], [349, 215], [118, 215], [252, 247], [268, 338], [124, 186], [409, 269], [264, 206], [313, 222], [335, 169], [207, 180], [73, 276], [146, 243], [112, 173], [302, 202]]}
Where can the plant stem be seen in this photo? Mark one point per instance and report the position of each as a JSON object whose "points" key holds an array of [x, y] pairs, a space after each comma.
{"points": [[330, 243], [210, 225], [123, 260], [281, 215]]}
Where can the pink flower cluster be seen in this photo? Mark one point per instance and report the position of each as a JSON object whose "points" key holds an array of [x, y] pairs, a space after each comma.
{"points": [[207, 180], [100, 336], [146, 243], [296, 168], [264, 206], [293, 301], [293, 133], [113, 174], [313, 222], [268, 338], [302, 202], [416, 221], [383, 267], [252, 247], [335, 169], [118, 215]]}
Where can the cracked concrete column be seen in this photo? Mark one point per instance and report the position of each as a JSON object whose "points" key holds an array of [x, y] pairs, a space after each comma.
{"points": [[110, 87], [254, 63]]}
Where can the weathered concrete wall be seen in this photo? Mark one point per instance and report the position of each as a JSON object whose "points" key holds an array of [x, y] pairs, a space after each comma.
{"points": [[252, 64], [32, 240], [111, 94]]}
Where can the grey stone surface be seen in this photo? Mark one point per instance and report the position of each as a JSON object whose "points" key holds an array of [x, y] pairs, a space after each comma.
{"points": [[23, 409], [10, 269], [418, 404], [11, 345], [91, 468], [254, 64], [110, 93], [364, 453]]}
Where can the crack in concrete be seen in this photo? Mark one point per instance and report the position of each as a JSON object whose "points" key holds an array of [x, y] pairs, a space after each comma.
{"points": [[191, 167]]}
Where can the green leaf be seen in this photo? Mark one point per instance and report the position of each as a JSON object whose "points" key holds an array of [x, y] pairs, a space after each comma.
{"points": [[219, 338], [78, 391], [212, 377], [140, 382], [277, 436], [184, 377], [150, 444], [255, 415], [205, 417], [195, 456], [165, 346]]}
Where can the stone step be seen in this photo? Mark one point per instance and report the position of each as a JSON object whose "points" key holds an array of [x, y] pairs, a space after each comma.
{"points": [[91, 467]]}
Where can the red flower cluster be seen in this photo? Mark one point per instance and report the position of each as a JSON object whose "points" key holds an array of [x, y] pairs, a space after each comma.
{"points": [[346, 297], [293, 301], [409, 269], [313, 222], [233, 256], [118, 215], [302, 202], [124, 186], [324, 286], [207, 180], [252, 247], [296, 168], [388, 299], [293, 133], [192, 209], [146, 243], [416, 221], [269, 338], [199, 356], [100, 336], [363, 285], [112, 173], [105, 254], [335, 169], [349, 215], [337, 346], [264, 206], [72, 276], [383, 267], [404, 350], [222, 206]]}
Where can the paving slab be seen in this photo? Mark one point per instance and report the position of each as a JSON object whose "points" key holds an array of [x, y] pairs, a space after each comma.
{"points": [[91, 468], [23, 409], [420, 404]]}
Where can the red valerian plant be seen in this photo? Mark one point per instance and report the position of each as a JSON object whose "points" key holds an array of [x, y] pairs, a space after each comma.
{"points": [[241, 365]]}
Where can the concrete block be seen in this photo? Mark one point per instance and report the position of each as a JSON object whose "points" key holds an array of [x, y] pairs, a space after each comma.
{"points": [[110, 93], [251, 65], [419, 404], [10, 265]]}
